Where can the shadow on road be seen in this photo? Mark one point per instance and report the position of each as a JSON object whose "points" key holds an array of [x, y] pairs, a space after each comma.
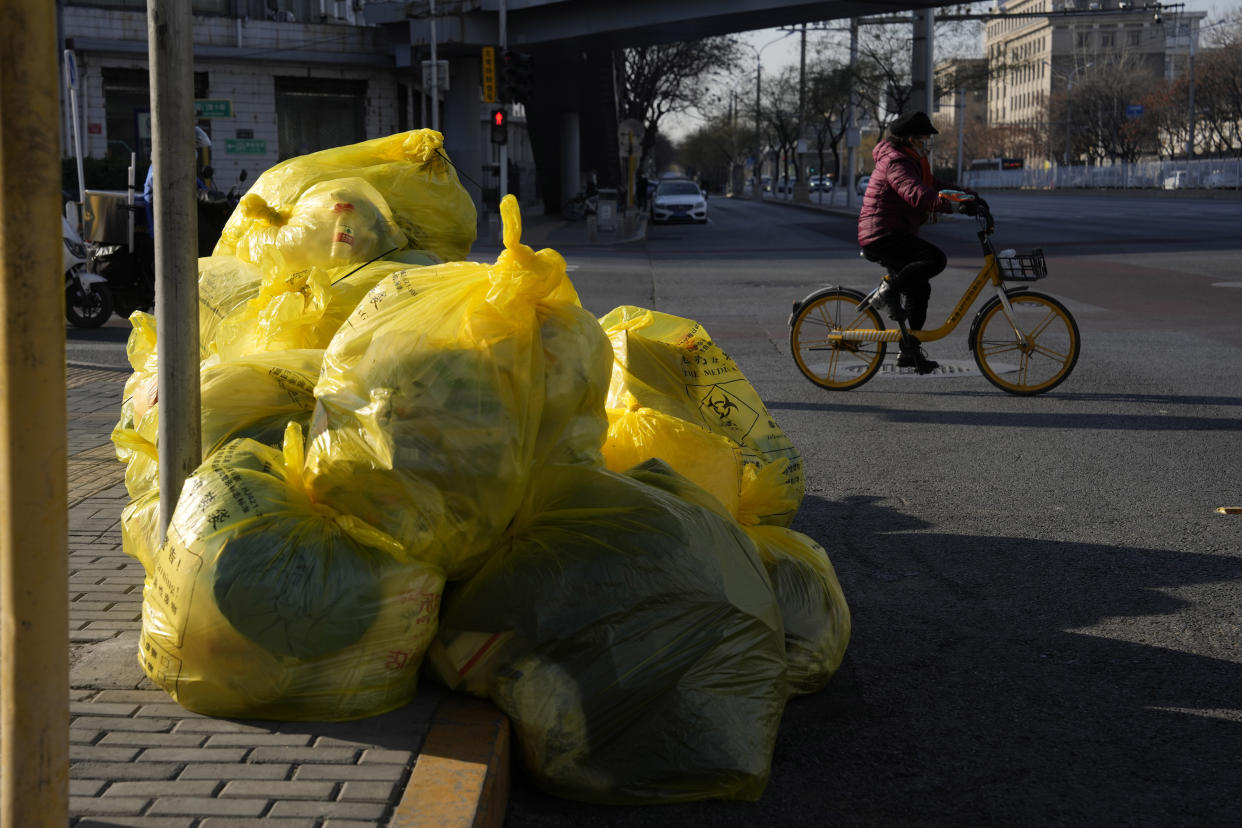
{"points": [[988, 683], [1043, 419]]}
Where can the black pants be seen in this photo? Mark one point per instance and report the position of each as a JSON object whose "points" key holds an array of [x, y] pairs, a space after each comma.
{"points": [[912, 263]]}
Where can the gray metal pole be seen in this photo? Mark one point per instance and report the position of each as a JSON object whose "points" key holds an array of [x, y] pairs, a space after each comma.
{"points": [[1069, 115], [435, 73], [1190, 141], [961, 129], [801, 105], [851, 131], [757, 189], [171, 56], [504, 148], [922, 83]]}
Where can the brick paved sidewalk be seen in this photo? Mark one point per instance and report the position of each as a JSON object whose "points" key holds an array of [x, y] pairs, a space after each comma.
{"points": [[139, 759]]}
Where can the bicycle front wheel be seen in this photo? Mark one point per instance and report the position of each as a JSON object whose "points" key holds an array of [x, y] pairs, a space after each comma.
{"points": [[1038, 360], [827, 360]]}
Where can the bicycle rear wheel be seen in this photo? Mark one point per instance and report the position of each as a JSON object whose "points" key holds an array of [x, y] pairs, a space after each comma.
{"points": [[1038, 364], [831, 362]]}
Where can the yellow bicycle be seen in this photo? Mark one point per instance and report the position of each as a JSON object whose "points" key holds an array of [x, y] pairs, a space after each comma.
{"points": [[1023, 341]]}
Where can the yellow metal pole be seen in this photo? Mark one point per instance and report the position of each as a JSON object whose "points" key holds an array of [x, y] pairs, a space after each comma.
{"points": [[34, 559]]}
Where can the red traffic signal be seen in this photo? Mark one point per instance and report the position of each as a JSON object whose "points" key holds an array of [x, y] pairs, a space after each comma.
{"points": [[500, 127]]}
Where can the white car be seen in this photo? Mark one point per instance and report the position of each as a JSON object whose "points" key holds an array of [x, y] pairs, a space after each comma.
{"points": [[678, 200]]}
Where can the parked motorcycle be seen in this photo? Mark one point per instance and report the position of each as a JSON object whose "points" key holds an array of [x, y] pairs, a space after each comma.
{"points": [[580, 206], [130, 270], [88, 301], [130, 273], [214, 210]]}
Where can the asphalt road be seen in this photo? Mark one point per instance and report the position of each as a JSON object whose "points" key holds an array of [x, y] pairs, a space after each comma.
{"points": [[1045, 602]]}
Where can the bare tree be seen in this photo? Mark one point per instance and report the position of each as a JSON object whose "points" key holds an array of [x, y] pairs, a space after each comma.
{"points": [[1218, 92], [1100, 108], [1166, 112], [828, 102], [716, 151], [780, 116], [657, 80]]}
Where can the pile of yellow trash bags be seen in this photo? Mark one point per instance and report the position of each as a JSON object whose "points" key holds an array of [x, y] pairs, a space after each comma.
{"points": [[417, 464]]}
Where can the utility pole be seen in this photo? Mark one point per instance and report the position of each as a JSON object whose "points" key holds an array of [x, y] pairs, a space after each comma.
{"points": [[1190, 142], [922, 84], [435, 71], [757, 188], [170, 52], [801, 106], [961, 128], [34, 559], [503, 23], [852, 137]]}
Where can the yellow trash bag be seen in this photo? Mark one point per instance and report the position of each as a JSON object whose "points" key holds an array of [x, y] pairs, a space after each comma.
{"points": [[296, 310], [253, 397], [671, 365], [631, 636], [814, 613], [332, 223], [813, 608], [433, 398], [577, 365], [140, 528], [141, 391], [266, 604], [224, 284], [714, 462], [410, 170]]}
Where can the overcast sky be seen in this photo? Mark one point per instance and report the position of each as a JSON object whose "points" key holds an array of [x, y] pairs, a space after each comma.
{"points": [[784, 52]]}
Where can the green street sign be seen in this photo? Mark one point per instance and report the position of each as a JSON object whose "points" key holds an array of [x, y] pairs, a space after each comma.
{"points": [[213, 108], [245, 146]]}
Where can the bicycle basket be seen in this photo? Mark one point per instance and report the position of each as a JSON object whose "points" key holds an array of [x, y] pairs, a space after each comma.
{"points": [[1023, 267]]}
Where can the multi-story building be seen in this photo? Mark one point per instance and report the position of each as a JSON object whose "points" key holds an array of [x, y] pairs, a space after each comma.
{"points": [[961, 107], [274, 79], [1038, 49]]}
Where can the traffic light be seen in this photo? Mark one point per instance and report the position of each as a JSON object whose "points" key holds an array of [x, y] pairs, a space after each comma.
{"points": [[500, 127], [517, 77]]}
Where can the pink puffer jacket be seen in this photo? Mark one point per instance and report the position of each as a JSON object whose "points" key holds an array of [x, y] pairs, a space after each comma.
{"points": [[897, 200]]}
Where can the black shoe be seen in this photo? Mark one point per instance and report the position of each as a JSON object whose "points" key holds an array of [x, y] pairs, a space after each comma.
{"points": [[918, 360]]}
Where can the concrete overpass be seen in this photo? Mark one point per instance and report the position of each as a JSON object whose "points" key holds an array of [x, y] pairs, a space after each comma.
{"points": [[572, 119]]}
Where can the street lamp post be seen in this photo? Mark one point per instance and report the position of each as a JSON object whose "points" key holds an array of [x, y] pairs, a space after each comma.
{"points": [[757, 187]]}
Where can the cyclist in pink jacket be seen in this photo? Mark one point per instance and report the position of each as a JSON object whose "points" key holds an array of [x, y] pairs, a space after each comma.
{"points": [[900, 197]]}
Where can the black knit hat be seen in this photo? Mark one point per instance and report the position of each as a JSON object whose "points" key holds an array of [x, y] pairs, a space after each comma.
{"points": [[911, 124]]}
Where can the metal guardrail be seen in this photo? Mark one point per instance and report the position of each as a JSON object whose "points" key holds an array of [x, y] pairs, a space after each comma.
{"points": [[1208, 173]]}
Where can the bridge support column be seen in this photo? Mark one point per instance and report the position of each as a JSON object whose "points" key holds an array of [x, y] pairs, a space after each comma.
{"points": [[571, 156]]}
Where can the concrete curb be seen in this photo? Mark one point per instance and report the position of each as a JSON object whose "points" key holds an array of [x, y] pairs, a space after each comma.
{"points": [[462, 774]]}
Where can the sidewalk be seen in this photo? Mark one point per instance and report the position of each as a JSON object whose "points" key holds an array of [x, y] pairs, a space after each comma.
{"points": [[139, 759]]}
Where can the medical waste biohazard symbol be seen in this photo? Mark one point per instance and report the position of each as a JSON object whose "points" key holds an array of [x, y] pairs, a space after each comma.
{"points": [[723, 411]]}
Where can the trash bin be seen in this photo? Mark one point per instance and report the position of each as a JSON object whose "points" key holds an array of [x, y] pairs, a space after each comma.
{"points": [[606, 211]]}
